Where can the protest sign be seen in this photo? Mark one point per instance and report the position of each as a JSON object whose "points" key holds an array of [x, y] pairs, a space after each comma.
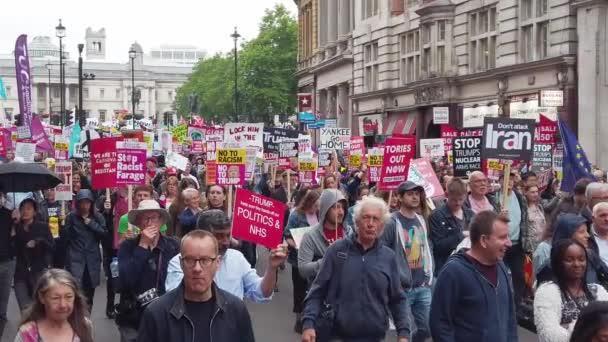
{"points": [[4, 141], [258, 219], [130, 163], [304, 143], [298, 234], [176, 160], [149, 140], [335, 138], [421, 172], [62, 146], [103, 163], [247, 134], [63, 169], [210, 162], [165, 140], [231, 166], [398, 153], [543, 157], [250, 153], [307, 170], [288, 155], [196, 133], [508, 139], [215, 134], [374, 163], [355, 155], [324, 158], [25, 151], [431, 148], [198, 147], [130, 135], [467, 156]]}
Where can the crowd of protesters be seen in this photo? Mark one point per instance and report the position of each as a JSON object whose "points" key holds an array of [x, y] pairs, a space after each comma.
{"points": [[463, 267]]}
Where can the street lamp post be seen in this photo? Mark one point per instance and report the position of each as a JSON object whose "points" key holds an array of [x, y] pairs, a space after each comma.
{"points": [[132, 55], [60, 33], [236, 37], [80, 113]]}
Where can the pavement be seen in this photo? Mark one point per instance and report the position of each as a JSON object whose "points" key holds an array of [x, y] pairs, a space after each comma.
{"points": [[272, 322]]}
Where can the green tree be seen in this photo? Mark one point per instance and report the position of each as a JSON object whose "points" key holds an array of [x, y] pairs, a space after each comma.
{"points": [[267, 65]]}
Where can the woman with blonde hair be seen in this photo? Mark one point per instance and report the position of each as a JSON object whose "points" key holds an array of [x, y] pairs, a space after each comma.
{"points": [[58, 313]]}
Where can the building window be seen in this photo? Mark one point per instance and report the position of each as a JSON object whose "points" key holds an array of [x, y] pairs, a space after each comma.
{"points": [[482, 47], [8, 91], [410, 57], [534, 32], [526, 43], [166, 55], [102, 93], [542, 41], [426, 62], [370, 8], [441, 67], [117, 93], [156, 54], [55, 91], [85, 92], [441, 30], [541, 8], [426, 34], [170, 95], [370, 59], [526, 9], [190, 55], [102, 115]]}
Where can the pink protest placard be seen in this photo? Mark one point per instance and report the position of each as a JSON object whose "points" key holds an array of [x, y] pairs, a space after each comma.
{"points": [[258, 219], [103, 163], [131, 163], [398, 152], [422, 173]]}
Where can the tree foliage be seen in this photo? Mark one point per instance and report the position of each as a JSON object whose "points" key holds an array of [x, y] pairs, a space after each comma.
{"points": [[266, 75]]}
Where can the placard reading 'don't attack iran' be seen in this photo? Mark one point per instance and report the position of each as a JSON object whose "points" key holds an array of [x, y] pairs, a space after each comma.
{"points": [[508, 139]]}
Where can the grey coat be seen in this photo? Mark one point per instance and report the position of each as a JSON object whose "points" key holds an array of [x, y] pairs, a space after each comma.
{"points": [[314, 244], [83, 246]]}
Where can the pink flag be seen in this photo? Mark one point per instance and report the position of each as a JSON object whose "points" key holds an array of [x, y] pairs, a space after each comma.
{"points": [[39, 137]]}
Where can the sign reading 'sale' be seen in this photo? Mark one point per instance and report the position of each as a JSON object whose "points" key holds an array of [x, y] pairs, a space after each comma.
{"points": [[509, 139]]}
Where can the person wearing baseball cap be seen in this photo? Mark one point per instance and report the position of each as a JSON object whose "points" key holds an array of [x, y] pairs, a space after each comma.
{"points": [[406, 234]]}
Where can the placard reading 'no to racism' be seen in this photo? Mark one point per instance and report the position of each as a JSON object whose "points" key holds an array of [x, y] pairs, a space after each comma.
{"points": [[258, 219], [231, 166]]}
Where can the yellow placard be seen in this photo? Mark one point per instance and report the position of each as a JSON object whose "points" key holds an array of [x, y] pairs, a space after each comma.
{"points": [[54, 226], [62, 146], [355, 160], [307, 166], [495, 165], [231, 156], [374, 160]]}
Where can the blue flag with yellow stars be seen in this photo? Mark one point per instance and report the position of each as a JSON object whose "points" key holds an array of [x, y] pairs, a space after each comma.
{"points": [[575, 164]]}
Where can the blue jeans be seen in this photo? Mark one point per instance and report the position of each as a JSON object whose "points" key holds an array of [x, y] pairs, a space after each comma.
{"points": [[419, 299]]}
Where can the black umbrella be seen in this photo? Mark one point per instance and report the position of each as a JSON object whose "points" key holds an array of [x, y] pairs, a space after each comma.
{"points": [[26, 177]]}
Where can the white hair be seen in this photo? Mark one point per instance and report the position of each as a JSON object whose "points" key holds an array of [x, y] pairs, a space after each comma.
{"points": [[592, 188], [598, 207], [371, 202], [189, 193]]}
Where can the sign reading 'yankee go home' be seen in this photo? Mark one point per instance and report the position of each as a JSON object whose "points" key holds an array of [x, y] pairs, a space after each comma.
{"points": [[508, 139]]}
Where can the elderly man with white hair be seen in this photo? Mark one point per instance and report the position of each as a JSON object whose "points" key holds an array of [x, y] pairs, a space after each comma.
{"points": [[595, 193], [599, 229], [187, 218], [362, 275]]}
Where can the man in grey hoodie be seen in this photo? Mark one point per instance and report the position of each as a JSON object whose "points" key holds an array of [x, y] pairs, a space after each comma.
{"points": [[331, 227]]}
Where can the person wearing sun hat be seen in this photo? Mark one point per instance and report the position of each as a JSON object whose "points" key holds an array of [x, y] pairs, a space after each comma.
{"points": [[142, 265]]}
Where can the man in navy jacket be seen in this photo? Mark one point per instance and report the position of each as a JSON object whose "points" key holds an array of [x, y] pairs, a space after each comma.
{"points": [[473, 299]]}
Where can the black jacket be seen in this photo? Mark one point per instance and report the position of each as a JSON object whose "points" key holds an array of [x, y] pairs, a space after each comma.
{"points": [[166, 319], [83, 246], [6, 240], [446, 233], [31, 262]]}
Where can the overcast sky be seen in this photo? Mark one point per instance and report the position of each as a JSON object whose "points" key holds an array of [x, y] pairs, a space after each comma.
{"points": [[204, 23]]}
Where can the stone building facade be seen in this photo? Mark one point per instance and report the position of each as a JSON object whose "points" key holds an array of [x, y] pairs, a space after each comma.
{"points": [[104, 96], [476, 57]]}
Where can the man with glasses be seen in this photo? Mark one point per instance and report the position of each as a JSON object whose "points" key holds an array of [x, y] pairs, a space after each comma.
{"points": [[198, 310], [478, 199], [142, 264], [235, 275]]}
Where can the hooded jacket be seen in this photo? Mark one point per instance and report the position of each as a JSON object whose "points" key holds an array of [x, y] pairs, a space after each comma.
{"points": [[566, 226], [314, 244], [466, 307]]}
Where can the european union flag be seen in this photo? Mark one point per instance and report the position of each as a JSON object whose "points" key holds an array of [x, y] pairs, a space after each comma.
{"points": [[575, 164]]}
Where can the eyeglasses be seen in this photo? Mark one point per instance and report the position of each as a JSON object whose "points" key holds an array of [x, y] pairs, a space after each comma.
{"points": [[203, 262], [148, 219]]}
